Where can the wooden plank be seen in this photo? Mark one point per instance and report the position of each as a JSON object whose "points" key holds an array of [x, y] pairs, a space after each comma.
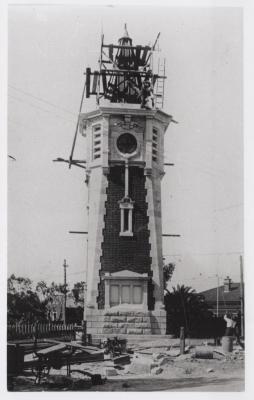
{"points": [[137, 57], [143, 59], [88, 349], [110, 52], [52, 349], [104, 81], [95, 81], [87, 84], [126, 47]]}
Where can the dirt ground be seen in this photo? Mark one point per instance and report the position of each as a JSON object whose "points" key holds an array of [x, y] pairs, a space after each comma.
{"points": [[168, 373]]}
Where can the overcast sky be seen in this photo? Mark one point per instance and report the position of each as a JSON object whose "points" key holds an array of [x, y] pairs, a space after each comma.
{"points": [[49, 49]]}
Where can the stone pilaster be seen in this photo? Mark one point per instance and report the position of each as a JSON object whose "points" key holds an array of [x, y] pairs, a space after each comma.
{"points": [[97, 197]]}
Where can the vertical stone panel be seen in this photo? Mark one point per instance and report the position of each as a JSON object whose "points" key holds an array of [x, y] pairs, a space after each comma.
{"points": [[97, 198], [154, 212]]}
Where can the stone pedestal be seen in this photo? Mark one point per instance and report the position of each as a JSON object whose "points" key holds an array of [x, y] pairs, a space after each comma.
{"points": [[117, 321]]}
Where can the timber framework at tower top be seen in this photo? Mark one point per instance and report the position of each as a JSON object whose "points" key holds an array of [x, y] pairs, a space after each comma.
{"points": [[128, 74]]}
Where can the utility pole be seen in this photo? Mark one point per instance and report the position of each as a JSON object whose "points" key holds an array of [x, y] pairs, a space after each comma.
{"points": [[242, 295], [65, 292]]}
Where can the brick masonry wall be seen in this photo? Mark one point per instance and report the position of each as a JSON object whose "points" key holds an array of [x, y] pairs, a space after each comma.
{"points": [[131, 253]]}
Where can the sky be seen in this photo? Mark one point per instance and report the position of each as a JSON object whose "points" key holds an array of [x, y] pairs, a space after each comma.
{"points": [[202, 195]]}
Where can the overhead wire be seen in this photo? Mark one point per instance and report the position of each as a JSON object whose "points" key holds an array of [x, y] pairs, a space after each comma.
{"points": [[203, 254], [40, 108], [11, 121], [42, 100], [228, 207], [206, 169]]}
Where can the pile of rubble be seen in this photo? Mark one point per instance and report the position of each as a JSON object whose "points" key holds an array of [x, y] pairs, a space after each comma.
{"points": [[89, 366]]}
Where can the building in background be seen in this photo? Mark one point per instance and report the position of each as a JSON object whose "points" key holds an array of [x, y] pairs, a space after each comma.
{"points": [[224, 298], [55, 309]]}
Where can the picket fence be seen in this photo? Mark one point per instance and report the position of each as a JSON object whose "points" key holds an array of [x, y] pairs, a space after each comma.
{"points": [[41, 330]]}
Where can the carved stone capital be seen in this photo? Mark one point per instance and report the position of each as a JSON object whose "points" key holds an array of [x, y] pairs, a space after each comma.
{"points": [[148, 171], [105, 170], [88, 173], [161, 174]]}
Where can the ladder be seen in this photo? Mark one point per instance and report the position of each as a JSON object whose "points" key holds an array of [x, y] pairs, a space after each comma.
{"points": [[160, 83]]}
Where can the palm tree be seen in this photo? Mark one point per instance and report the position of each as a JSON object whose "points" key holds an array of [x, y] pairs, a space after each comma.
{"points": [[185, 308], [168, 270]]}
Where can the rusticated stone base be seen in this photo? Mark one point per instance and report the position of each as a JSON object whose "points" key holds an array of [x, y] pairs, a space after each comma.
{"points": [[118, 322]]}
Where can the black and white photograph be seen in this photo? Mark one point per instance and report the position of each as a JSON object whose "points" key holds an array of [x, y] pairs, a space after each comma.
{"points": [[125, 207]]}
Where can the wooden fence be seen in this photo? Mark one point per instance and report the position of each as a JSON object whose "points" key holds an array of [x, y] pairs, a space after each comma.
{"points": [[48, 330]]}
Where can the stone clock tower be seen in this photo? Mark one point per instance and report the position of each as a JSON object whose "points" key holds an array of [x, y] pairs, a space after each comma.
{"points": [[124, 168]]}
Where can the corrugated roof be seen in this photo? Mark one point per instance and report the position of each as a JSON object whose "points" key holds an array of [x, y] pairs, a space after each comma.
{"points": [[233, 295]]}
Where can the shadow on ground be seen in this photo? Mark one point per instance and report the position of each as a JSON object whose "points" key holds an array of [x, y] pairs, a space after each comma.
{"points": [[149, 385], [141, 384]]}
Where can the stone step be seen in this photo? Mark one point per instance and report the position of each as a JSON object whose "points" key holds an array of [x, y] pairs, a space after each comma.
{"points": [[138, 338], [157, 340]]}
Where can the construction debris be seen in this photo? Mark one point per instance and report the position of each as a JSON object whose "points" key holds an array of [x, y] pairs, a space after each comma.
{"points": [[183, 357], [173, 352], [219, 352], [122, 359], [141, 365], [96, 379], [115, 346], [158, 356], [165, 361], [111, 372], [156, 371], [90, 366]]}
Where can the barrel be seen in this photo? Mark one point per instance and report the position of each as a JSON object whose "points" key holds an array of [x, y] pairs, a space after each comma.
{"points": [[203, 352], [227, 344]]}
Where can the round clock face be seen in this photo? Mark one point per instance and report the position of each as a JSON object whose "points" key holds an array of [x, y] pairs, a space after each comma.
{"points": [[127, 143]]}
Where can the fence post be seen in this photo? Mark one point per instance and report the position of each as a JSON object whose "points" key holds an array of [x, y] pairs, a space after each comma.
{"points": [[182, 340], [35, 335], [84, 333], [73, 332]]}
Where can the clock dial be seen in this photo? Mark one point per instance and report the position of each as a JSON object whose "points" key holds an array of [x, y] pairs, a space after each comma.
{"points": [[127, 143]]}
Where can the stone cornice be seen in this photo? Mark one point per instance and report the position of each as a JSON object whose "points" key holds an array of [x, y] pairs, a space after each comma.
{"points": [[125, 274], [116, 110]]}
